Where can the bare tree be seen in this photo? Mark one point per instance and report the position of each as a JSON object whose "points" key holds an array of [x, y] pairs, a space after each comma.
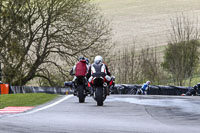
{"points": [[126, 66], [137, 66], [46, 33], [150, 65], [183, 28]]}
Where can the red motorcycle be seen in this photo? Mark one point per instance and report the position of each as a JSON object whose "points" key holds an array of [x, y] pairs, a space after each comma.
{"points": [[101, 89]]}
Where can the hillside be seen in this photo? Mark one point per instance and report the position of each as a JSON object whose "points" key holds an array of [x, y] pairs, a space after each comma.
{"points": [[144, 21]]}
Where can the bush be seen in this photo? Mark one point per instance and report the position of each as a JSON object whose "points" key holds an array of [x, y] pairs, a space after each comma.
{"points": [[181, 60]]}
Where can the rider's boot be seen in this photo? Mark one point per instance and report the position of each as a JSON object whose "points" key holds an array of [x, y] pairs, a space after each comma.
{"points": [[91, 91], [74, 88], [108, 90]]}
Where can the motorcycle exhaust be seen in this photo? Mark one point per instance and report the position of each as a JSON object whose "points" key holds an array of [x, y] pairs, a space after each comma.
{"points": [[104, 84]]}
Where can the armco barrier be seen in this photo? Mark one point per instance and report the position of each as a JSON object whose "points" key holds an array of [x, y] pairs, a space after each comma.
{"points": [[118, 89]]}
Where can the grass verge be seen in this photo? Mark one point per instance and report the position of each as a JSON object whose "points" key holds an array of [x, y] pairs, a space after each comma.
{"points": [[30, 99]]}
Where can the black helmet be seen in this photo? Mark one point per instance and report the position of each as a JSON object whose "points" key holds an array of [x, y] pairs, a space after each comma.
{"points": [[195, 87], [198, 86], [81, 58]]}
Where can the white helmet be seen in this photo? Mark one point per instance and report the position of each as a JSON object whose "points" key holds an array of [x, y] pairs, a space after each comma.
{"points": [[98, 59], [148, 82]]}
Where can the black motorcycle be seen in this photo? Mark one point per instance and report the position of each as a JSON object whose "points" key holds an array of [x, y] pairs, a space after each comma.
{"points": [[81, 88], [100, 89]]}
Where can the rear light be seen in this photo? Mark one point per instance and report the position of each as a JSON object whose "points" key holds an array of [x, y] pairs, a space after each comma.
{"points": [[111, 82], [89, 85]]}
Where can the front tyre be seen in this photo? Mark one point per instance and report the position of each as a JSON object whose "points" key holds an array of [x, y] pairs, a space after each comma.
{"points": [[81, 95], [99, 96]]}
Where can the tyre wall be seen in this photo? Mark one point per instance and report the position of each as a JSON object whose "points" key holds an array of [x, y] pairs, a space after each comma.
{"points": [[118, 89]]}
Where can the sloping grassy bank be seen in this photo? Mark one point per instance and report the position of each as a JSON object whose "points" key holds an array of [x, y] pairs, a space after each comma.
{"points": [[31, 99]]}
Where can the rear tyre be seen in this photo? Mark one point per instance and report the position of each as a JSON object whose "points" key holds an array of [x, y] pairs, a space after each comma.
{"points": [[81, 95], [99, 96]]}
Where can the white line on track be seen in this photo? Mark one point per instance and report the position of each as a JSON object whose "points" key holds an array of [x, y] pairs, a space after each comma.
{"points": [[45, 107], [51, 105]]}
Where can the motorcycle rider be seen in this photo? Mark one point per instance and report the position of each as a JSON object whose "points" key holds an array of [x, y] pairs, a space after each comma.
{"points": [[193, 91], [98, 68], [78, 70], [87, 63], [144, 88]]}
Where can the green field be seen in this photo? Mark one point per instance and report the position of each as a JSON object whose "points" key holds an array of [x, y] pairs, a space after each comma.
{"points": [[144, 21], [31, 99]]}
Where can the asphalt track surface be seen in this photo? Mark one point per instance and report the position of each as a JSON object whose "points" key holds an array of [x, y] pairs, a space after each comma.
{"points": [[120, 114]]}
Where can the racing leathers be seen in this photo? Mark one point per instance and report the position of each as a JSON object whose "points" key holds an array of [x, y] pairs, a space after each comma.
{"points": [[143, 90], [78, 70], [100, 69]]}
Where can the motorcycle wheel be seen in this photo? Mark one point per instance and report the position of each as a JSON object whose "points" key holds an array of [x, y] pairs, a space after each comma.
{"points": [[81, 95], [99, 96]]}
